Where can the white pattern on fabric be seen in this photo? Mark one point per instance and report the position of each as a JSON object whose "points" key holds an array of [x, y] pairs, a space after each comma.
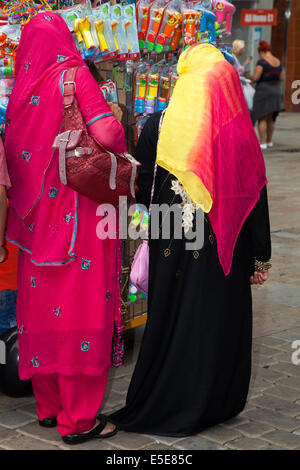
{"points": [[188, 206]]}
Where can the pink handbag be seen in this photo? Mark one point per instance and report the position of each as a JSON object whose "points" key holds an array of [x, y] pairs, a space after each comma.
{"points": [[139, 275], [140, 268]]}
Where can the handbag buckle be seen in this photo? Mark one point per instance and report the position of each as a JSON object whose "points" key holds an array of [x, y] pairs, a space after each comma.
{"points": [[69, 83]]}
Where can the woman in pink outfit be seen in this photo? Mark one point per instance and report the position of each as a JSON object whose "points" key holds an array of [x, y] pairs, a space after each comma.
{"points": [[68, 279]]}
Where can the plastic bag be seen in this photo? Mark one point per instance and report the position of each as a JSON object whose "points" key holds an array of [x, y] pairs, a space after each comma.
{"points": [[249, 92]]}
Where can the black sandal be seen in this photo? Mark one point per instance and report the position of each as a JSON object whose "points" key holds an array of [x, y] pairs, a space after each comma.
{"points": [[48, 423], [92, 434]]}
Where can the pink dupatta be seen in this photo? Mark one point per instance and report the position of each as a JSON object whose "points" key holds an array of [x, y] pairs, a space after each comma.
{"points": [[29, 136]]}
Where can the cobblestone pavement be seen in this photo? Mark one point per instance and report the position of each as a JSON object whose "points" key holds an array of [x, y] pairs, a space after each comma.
{"points": [[271, 419]]}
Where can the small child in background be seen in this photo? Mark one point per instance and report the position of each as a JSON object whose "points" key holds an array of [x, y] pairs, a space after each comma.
{"points": [[8, 256]]}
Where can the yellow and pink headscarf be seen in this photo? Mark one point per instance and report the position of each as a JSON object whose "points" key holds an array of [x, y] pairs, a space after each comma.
{"points": [[208, 142]]}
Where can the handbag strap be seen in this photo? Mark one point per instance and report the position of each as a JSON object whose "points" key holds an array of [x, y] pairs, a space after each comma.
{"points": [[69, 86], [155, 166]]}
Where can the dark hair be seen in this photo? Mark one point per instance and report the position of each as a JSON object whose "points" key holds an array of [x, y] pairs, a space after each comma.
{"points": [[264, 46]]}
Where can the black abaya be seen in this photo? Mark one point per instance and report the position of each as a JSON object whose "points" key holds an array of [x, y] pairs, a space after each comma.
{"points": [[194, 364]]}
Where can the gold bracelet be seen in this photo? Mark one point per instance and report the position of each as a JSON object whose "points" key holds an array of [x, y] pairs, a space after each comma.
{"points": [[262, 265]]}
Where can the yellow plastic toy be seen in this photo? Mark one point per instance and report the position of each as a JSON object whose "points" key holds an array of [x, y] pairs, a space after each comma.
{"points": [[113, 27], [85, 29], [127, 24], [99, 25], [78, 34]]}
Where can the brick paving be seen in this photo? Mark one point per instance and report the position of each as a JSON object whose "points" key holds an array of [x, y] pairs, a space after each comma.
{"points": [[271, 419]]}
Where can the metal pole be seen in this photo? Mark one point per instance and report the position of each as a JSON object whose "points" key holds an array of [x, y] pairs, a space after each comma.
{"points": [[129, 73], [285, 45], [286, 30]]}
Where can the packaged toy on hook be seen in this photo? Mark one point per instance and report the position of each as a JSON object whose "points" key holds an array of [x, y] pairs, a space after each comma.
{"points": [[204, 4], [9, 43], [174, 77], [129, 12], [109, 91], [206, 28], [6, 86], [102, 20], [164, 86], [190, 26], [78, 22], [140, 81], [119, 32], [152, 87], [172, 20], [156, 16], [143, 20], [224, 12], [85, 27]]}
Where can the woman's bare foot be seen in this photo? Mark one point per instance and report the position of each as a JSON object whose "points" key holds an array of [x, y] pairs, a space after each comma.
{"points": [[108, 428]]}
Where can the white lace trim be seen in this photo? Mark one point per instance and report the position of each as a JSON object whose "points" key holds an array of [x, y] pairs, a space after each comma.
{"points": [[188, 206]]}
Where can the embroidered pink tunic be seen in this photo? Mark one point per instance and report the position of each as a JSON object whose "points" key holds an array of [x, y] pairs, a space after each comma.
{"points": [[68, 279]]}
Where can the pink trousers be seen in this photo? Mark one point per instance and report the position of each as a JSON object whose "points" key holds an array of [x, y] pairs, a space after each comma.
{"points": [[74, 400]]}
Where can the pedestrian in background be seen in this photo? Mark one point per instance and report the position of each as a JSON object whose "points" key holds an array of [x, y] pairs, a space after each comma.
{"points": [[268, 75], [238, 49]]}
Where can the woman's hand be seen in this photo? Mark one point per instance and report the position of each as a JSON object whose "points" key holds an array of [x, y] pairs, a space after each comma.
{"points": [[248, 60], [3, 254], [116, 110], [259, 277]]}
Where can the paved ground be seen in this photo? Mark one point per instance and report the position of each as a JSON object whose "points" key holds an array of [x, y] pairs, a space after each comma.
{"points": [[271, 419]]}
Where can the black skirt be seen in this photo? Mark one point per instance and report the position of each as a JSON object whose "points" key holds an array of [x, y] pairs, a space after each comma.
{"points": [[267, 100], [194, 365]]}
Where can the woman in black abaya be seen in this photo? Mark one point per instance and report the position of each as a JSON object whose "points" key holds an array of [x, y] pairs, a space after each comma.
{"points": [[194, 365]]}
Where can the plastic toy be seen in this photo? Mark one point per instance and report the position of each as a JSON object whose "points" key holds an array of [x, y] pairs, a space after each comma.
{"points": [[129, 13], [134, 295], [84, 27], [174, 78], [143, 15], [9, 43], [162, 100], [23, 10], [140, 88], [140, 218], [224, 12], [190, 19], [177, 37], [102, 20], [156, 16], [70, 15], [109, 90], [207, 31], [172, 18], [152, 93], [119, 31], [204, 4], [99, 25]]}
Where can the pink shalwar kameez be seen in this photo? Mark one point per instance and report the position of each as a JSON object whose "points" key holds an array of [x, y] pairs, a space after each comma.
{"points": [[68, 279]]}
